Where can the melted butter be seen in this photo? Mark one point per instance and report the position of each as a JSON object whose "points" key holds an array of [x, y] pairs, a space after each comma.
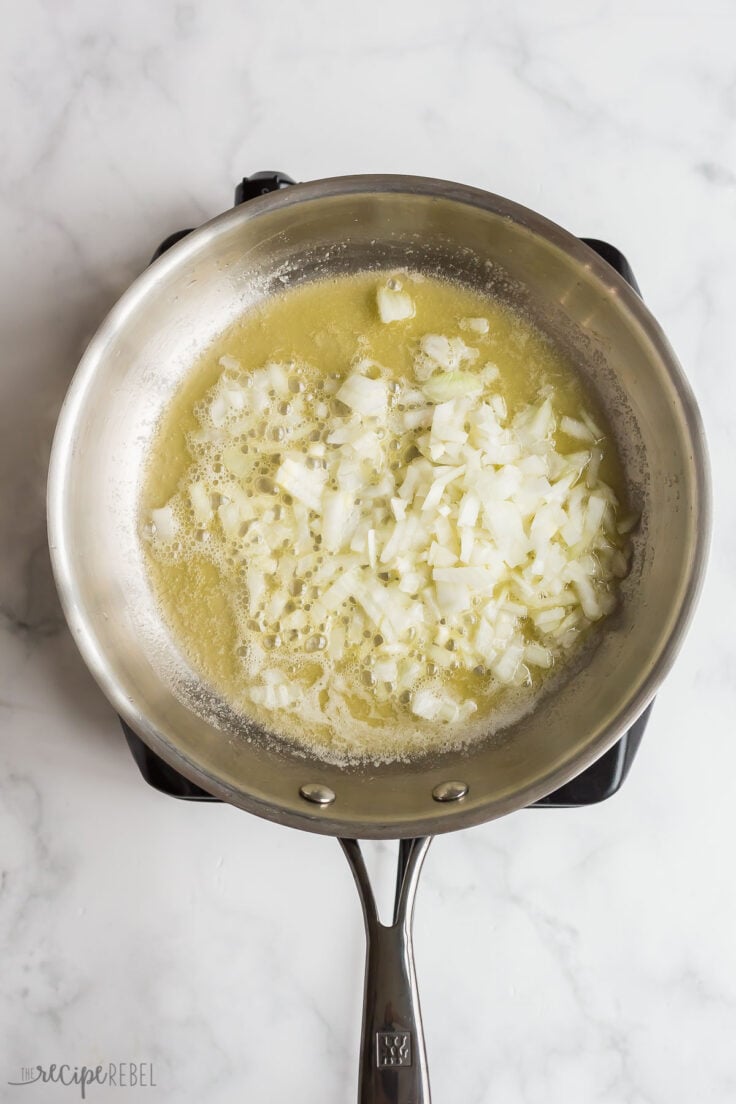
{"points": [[322, 326]]}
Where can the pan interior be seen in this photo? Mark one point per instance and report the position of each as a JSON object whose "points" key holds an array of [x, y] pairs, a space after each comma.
{"points": [[150, 341]]}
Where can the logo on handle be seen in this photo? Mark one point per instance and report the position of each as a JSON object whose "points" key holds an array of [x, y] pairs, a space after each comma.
{"points": [[393, 1049]]}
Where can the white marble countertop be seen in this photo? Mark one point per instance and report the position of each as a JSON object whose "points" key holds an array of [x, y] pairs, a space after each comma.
{"points": [[578, 956]]}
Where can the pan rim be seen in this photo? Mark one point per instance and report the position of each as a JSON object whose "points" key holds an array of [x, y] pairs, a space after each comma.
{"points": [[329, 821]]}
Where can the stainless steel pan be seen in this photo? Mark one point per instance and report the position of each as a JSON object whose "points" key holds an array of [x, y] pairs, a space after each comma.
{"points": [[130, 371]]}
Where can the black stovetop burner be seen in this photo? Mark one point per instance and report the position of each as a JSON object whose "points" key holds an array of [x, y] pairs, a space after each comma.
{"points": [[595, 784]]}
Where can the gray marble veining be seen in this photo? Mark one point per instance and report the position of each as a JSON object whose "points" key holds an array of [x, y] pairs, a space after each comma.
{"points": [[584, 957]]}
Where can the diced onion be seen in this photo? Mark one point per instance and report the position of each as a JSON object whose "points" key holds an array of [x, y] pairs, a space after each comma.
{"points": [[305, 484], [201, 502], [394, 305], [577, 429], [164, 524], [364, 395], [488, 548], [477, 325], [441, 388]]}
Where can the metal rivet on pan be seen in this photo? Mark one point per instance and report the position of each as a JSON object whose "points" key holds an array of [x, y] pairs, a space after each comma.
{"points": [[450, 791], [317, 793]]}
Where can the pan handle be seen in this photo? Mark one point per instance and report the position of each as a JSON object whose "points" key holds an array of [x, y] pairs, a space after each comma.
{"points": [[393, 1061]]}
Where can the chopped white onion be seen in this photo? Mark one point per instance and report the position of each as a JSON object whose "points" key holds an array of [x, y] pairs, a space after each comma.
{"points": [[577, 429], [164, 524], [477, 325], [364, 395], [394, 305], [303, 483], [492, 549], [447, 386], [201, 502]]}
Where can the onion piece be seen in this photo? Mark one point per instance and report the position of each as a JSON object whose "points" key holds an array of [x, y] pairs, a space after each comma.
{"points": [[576, 429], [364, 395], [201, 502], [394, 305], [439, 389], [337, 508], [303, 483], [164, 522], [477, 325]]}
